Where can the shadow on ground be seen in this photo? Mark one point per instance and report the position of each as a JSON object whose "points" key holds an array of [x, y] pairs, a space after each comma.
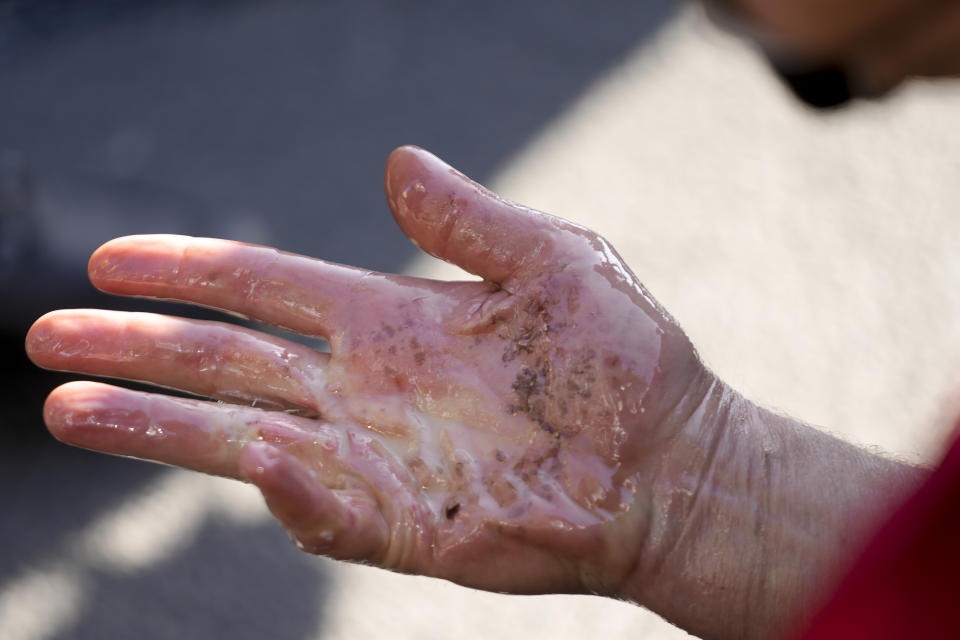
{"points": [[225, 585], [265, 122]]}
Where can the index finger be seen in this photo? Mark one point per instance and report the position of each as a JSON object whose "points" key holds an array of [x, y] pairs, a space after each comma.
{"points": [[306, 295]]}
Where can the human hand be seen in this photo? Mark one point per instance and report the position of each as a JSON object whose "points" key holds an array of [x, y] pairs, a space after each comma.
{"points": [[504, 434], [547, 429], [877, 44]]}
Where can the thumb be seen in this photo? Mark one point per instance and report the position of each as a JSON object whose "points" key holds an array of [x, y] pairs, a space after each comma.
{"points": [[453, 218]]}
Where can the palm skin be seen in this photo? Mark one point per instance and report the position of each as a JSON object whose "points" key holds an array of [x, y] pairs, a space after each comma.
{"points": [[504, 434]]}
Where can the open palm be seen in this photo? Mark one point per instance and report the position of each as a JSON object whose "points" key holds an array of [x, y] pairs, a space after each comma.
{"points": [[501, 433]]}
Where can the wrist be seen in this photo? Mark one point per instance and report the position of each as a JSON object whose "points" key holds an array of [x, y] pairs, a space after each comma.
{"points": [[700, 549], [753, 516]]}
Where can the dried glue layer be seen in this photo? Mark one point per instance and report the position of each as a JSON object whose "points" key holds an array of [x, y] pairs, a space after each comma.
{"points": [[455, 404], [544, 430], [462, 403], [536, 400]]}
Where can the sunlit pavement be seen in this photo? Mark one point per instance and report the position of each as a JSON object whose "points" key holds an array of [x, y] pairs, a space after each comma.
{"points": [[814, 260]]}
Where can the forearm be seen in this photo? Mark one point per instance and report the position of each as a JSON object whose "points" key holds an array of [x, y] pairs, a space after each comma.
{"points": [[755, 517]]}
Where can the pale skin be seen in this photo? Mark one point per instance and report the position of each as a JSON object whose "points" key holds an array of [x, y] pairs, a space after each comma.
{"points": [[547, 429]]}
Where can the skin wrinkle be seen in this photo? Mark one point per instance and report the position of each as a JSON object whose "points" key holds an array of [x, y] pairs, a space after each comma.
{"points": [[752, 610], [479, 318], [642, 565], [381, 483], [699, 485]]}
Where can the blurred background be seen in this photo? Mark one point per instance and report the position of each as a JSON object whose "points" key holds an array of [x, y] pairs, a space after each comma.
{"points": [[813, 258]]}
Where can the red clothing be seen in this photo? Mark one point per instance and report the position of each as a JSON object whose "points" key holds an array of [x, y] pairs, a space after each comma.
{"points": [[906, 584]]}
